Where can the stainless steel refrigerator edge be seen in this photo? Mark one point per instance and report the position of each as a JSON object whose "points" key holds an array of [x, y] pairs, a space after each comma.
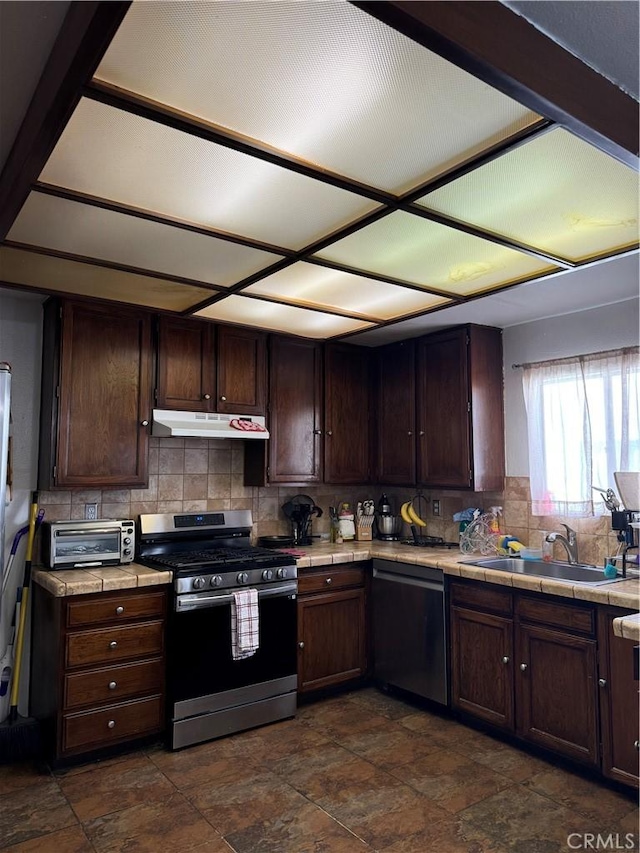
{"points": [[410, 629]]}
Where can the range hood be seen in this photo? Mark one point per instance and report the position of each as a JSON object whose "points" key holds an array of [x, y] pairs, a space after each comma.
{"points": [[207, 425]]}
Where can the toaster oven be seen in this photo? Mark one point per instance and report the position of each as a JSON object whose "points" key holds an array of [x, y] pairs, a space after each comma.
{"points": [[80, 544]]}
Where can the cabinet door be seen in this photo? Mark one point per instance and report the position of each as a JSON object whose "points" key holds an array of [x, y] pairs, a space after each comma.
{"points": [[104, 396], [331, 639], [347, 414], [241, 371], [556, 697], [482, 665], [619, 701], [295, 400], [396, 420], [444, 439], [186, 374]]}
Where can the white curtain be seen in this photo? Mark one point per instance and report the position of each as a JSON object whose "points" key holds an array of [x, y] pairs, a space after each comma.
{"points": [[583, 416]]}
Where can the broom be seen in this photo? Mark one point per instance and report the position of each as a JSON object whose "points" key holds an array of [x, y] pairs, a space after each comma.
{"points": [[20, 736]]}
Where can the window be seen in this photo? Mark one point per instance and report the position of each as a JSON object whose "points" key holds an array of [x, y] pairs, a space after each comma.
{"points": [[583, 416]]}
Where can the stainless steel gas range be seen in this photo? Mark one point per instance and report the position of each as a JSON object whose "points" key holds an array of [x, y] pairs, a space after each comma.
{"points": [[209, 693]]}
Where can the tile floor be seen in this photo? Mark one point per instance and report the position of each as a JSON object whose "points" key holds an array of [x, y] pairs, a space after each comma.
{"points": [[357, 773]]}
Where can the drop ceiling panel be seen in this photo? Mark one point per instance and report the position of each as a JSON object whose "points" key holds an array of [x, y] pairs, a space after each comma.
{"points": [[554, 192], [81, 229], [312, 79], [322, 287], [432, 255], [119, 156], [280, 318], [72, 277]]}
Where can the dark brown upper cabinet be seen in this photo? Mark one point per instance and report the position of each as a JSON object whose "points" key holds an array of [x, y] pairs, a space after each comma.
{"points": [[241, 371], [347, 414], [186, 365], [207, 368], [460, 417], [96, 396], [396, 414]]}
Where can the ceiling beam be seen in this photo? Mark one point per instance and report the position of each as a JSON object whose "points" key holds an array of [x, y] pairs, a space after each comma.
{"points": [[85, 34], [500, 47]]}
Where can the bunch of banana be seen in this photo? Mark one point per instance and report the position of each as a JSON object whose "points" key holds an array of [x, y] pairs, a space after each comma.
{"points": [[409, 514]]}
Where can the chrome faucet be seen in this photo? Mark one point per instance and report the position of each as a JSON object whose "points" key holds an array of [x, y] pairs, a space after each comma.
{"points": [[570, 542]]}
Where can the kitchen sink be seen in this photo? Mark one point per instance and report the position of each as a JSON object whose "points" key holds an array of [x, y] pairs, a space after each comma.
{"points": [[572, 573]]}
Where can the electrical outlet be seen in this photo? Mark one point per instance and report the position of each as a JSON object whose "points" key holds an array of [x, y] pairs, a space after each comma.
{"points": [[91, 511], [435, 506]]}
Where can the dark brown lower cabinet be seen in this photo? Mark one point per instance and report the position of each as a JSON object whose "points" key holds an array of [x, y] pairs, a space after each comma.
{"points": [[332, 627], [619, 701], [527, 665], [98, 669]]}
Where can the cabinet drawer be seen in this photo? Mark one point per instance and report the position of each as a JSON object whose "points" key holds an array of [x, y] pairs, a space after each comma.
{"points": [[115, 608], [327, 579], [559, 615], [113, 683], [93, 729], [489, 598], [110, 645]]}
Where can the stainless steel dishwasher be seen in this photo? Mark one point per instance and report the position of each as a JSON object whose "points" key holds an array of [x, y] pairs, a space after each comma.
{"points": [[410, 629]]}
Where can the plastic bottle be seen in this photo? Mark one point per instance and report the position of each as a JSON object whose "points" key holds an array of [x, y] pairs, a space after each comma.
{"points": [[494, 523]]}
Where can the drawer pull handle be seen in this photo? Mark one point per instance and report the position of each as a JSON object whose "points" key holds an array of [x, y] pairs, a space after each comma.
{"points": [[111, 724], [112, 685], [505, 659], [113, 644], [329, 581], [119, 610], [523, 667], [207, 396]]}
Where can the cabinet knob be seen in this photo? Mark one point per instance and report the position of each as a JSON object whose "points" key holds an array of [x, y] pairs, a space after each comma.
{"points": [[505, 659], [144, 423], [421, 432], [409, 432], [112, 685], [328, 581], [602, 682], [111, 724], [636, 743], [329, 432], [119, 610], [301, 645], [224, 399], [113, 644], [317, 432], [206, 396], [523, 667]]}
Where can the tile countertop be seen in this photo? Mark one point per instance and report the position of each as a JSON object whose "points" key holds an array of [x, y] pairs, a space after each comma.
{"points": [[619, 594], [83, 581]]}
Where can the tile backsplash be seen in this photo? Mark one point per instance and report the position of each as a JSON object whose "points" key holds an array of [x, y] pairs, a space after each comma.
{"points": [[192, 475]]}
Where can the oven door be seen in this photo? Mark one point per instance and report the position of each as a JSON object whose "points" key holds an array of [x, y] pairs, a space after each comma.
{"points": [[203, 679]]}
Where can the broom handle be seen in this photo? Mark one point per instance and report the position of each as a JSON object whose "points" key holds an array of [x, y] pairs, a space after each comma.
{"points": [[23, 609]]}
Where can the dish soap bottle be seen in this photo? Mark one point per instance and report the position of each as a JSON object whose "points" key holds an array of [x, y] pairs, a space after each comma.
{"points": [[494, 523], [346, 525]]}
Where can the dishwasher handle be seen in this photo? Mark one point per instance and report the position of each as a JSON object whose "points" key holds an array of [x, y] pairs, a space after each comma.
{"points": [[409, 581]]}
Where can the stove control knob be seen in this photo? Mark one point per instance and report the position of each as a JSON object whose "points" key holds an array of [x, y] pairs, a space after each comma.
{"points": [[282, 573], [267, 575], [216, 580], [198, 583], [243, 577], [127, 541]]}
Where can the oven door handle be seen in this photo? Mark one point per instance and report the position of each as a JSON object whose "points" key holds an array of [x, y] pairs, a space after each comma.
{"points": [[199, 601]]}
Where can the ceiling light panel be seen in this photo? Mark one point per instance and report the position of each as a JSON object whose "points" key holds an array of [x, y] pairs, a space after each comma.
{"points": [[310, 79], [124, 158], [431, 255], [555, 192], [280, 318], [322, 287], [59, 275], [82, 229]]}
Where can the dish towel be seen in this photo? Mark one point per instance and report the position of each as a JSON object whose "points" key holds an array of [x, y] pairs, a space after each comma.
{"points": [[244, 623]]}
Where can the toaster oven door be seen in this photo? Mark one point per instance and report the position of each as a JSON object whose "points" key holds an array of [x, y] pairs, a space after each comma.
{"points": [[75, 547]]}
